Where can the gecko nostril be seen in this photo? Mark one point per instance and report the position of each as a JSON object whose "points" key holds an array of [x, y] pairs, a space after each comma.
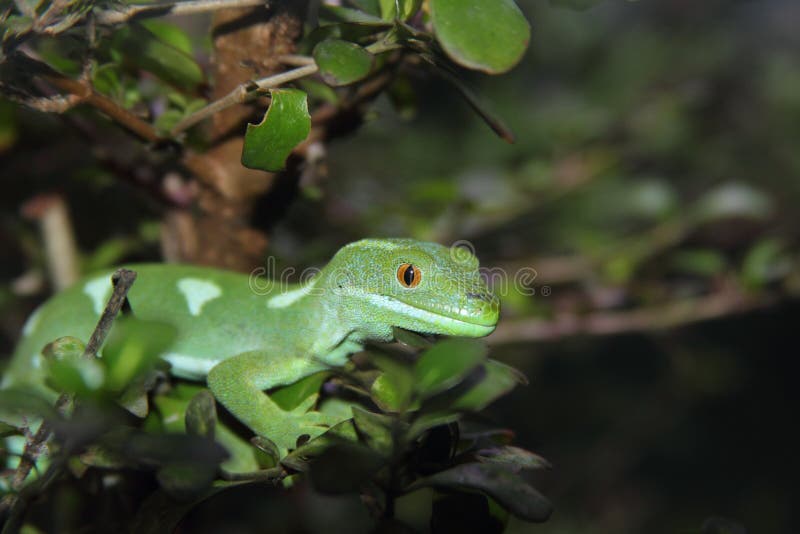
{"points": [[480, 296]]}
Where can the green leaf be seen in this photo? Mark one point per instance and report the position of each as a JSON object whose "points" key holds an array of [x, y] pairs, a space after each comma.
{"points": [[507, 488], [170, 34], [485, 35], [765, 262], [63, 348], [299, 458], [514, 457], [342, 62], [291, 396], [392, 389], [172, 411], [77, 375], [700, 262], [407, 8], [244, 458], [9, 430], [146, 50], [268, 447], [375, 430], [186, 480], [16, 25], [160, 512], [134, 397], [25, 402], [427, 421], [499, 380], [411, 339], [446, 364], [344, 468], [201, 415], [286, 123], [369, 6], [133, 348], [317, 90]]}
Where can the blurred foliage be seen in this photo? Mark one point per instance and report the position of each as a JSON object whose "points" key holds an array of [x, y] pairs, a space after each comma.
{"points": [[410, 429], [655, 163]]}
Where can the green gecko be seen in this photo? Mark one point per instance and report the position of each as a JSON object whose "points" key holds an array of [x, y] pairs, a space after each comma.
{"points": [[244, 338]]}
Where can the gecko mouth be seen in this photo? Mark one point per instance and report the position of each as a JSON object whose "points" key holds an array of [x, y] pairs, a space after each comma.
{"points": [[439, 320]]}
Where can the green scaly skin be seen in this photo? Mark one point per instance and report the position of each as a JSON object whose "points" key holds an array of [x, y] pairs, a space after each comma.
{"points": [[244, 338]]}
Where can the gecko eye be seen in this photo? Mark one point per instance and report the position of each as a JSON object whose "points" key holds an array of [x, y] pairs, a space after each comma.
{"points": [[408, 275]]}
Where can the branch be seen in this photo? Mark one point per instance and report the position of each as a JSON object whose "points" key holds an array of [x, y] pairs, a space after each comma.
{"points": [[241, 94], [664, 317], [122, 280], [126, 13], [273, 474], [122, 116]]}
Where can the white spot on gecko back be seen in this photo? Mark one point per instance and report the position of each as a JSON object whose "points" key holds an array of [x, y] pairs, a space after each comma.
{"points": [[98, 290], [33, 320], [197, 293], [188, 366], [285, 299]]}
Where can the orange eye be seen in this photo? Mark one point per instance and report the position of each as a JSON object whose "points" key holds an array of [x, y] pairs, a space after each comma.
{"points": [[408, 275]]}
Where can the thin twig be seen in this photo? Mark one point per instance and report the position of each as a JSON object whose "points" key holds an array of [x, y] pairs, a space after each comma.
{"points": [[273, 474], [671, 315], [296, 60], [122, 280], [241, 94], [126, 13], [122, 116], [83, 92]]}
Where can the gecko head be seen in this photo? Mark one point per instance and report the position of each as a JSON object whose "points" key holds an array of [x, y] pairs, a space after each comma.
{"points": [[416, 285]]}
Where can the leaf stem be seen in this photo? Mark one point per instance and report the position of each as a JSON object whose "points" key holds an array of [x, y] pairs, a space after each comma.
{"points": [[241, 94]]}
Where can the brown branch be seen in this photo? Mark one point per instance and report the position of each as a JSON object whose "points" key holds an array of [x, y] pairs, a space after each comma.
{"points": [[122, 280], [102, 103], [242, 94], [81, 91], [664, 317], [273, 474]]}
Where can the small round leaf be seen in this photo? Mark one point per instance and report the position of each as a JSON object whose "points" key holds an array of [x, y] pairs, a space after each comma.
{"points": [[342, 62], [485, 35]]}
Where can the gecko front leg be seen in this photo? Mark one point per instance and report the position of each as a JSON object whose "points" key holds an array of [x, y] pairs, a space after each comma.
{"points": [[239, 383]]}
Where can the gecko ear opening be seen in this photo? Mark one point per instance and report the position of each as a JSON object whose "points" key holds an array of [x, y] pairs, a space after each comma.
{"points": [[408, 275]]}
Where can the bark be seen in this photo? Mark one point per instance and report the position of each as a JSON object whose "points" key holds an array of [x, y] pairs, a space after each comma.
{"points": [[247, 43]]}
